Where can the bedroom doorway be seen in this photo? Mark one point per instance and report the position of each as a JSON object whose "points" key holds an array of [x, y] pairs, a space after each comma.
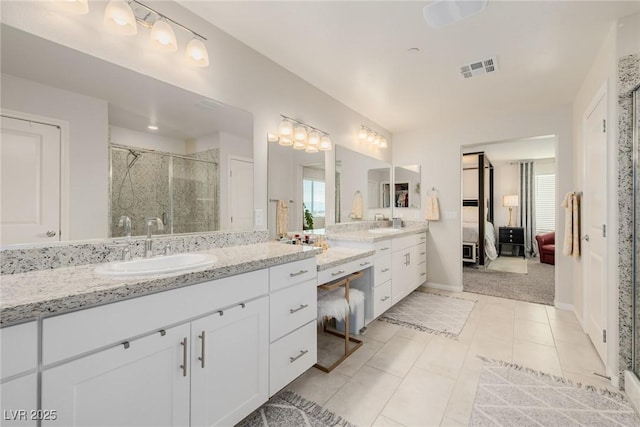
{"points": [[508, 204]]}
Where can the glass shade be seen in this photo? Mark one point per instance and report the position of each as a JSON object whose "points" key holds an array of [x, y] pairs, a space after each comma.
{"points": [[197, 52], [363, 133], [300, 133], [285, 128], [298, 145], [162, 36], [285, 141], [119, 18], [325, 143], [314, 138]]}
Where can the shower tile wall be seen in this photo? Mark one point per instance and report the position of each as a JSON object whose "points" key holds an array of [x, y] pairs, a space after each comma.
{"points": [[144, 192], [628, 79]]}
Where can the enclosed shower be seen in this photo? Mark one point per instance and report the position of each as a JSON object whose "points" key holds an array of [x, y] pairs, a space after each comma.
{"points": [[181, 190], [635, 262]]}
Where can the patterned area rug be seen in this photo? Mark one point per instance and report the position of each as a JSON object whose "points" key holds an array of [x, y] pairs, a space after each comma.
{"points": [[431, 313], [509, 264], [288, 409], [510, 395]]}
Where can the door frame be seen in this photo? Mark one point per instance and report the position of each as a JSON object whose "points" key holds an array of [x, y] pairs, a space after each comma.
{"points": [[64, 160], [230, 158], [601, 95]]}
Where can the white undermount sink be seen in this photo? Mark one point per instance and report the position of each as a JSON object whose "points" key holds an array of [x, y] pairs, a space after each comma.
{"points": [[158, 265], [384, 230]]}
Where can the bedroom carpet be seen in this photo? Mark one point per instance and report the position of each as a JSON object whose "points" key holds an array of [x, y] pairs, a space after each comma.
{"points": [[431, 313], [512, 395], [537, 286], [509, 264]]}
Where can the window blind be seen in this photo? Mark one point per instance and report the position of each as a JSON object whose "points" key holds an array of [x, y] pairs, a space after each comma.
{"points": [[545, 203]]}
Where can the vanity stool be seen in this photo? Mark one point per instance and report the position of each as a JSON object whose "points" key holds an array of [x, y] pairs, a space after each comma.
{"points": [[337, 306]]}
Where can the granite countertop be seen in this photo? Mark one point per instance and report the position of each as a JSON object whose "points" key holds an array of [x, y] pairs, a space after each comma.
{"points": [[366, 236], [333, 256], [26, 296]]}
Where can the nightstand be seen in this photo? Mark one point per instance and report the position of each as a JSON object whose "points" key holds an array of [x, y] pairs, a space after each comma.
{"points": [[513, 236]]}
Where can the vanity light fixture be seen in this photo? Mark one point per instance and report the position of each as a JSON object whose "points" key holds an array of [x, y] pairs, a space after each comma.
{"points": [[300, 136], [372, 136], [120, 18]]}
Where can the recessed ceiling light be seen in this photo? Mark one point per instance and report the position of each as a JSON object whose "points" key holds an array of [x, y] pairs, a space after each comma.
{"points": [[152, 127]]}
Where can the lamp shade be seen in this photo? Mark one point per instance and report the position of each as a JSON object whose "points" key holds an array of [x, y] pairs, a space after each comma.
{"points": [[197, 53], [510, 201], [285, 128], [163, 37], [119, 18], [325, 144]]}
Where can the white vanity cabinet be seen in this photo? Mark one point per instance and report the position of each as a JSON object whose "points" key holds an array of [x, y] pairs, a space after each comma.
{"points": [[382, 277], [18, 364], [409, 258], [209, 369]]}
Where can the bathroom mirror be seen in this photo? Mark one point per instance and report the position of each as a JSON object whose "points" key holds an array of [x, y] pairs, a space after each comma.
{"points": [[362, 176], [406, 187], [131, 145], [297, 191]]}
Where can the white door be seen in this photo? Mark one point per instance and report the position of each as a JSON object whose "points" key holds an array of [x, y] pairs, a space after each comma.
{"points": [[142, 385], [241, 193], [594, 211], [29, 182], [229, 359]]}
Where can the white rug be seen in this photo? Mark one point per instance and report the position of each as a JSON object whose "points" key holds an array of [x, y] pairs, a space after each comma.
{"points": [[430, 313], [509, 264], [511, 395]]}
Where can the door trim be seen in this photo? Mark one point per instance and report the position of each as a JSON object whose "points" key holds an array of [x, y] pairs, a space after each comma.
{"points": [[230, 158], [64, 160]]}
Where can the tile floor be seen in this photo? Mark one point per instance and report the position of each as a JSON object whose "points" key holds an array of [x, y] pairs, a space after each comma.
{"points": [[404, 377]]}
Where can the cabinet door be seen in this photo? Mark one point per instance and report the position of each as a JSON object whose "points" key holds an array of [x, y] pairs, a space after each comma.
{"points": [[19, 402], [400, 273], [230, 364], [142, 385]]}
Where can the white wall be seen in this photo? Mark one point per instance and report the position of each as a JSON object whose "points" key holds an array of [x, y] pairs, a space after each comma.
{"points": [[88, 192], [132, 138], [506, 181], [238, 75], [439, 151]]}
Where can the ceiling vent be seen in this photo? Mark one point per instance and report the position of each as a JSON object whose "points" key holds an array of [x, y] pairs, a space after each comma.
{"points": [[476, 68]]}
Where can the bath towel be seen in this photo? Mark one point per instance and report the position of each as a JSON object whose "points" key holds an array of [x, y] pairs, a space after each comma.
{"points": [[571, 243], [357, 210], [282, 217], [432, 211]]}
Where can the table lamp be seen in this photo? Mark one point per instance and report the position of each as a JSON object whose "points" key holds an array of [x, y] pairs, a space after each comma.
{"points": [[510, 202]]}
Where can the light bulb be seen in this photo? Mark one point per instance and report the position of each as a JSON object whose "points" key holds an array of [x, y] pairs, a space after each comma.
{"points": [[298, 145], [119, 18], [299, 133], [314, 138], [311, 149], [197, 52], [363, 133], [370, 136], [325, 143], [285, 128], [163, 37], [79, 7], [285, 141]]}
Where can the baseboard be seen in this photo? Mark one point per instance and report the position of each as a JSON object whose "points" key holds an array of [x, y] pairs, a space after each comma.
{"points": [[632, 389], [564, 306], [451, 288]]}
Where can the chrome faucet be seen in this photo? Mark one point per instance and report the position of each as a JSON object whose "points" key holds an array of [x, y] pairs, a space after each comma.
{"points": [[125, 222], [148, 243]]}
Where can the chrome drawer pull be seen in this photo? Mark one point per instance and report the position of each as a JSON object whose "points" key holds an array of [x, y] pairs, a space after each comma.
{"points": [[183, 343], [302, 353], [302, 307], [384, 299], [362, 264], [298, 273], [384, 270], [337, 273], [201, 358]]}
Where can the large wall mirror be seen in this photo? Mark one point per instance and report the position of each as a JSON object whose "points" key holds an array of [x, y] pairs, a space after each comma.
{"points": [[363, 186], [297, 190], [131, 145], [406, 186]]}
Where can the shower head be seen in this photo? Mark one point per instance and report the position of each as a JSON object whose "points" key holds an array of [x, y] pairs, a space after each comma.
{"points": [[136, 155]]}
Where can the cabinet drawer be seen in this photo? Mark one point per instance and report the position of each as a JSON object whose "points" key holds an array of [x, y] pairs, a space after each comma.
{"points": [[289, 274], [383, 247], [292, 307], [381, 298], [19, 349], [82, 331], [382, 270], [326, 276], [291, 355]]}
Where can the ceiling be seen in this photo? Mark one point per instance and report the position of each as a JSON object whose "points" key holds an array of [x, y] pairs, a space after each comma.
{"points": [[135, 100], [542, 147], [358, 52]]}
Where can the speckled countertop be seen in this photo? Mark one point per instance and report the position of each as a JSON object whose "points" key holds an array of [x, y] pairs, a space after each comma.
{"points": [[338, 256], [367, 236], [25, 296]]}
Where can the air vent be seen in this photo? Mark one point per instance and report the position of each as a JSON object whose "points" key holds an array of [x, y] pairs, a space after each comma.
{"points": [[476, 68]]}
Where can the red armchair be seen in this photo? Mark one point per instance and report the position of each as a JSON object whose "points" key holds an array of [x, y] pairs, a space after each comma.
{"points": [[547, 247]]}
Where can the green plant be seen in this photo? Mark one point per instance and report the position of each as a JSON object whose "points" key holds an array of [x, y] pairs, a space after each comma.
{"points": [[308, 220]]}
